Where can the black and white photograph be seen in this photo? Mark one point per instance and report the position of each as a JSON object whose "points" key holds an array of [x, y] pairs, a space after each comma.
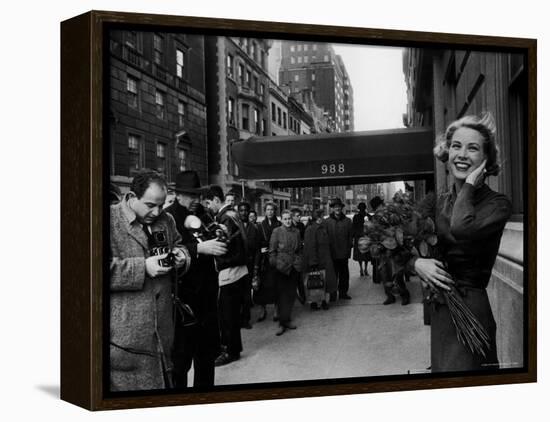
{"points": [[300, 211]]}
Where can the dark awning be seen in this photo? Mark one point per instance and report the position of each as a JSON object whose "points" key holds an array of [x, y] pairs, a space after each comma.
{"points": [[337, 158]]}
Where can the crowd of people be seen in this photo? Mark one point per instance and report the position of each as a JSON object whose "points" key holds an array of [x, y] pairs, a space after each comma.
{"points": [[184, 277], [196, 310]]}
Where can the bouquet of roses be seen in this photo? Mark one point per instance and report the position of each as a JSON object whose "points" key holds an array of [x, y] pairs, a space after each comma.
{"points": [[397, 232], [400, 231]]}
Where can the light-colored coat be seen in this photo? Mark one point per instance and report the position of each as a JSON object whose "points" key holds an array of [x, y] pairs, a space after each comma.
{"points": [[141, 318]]}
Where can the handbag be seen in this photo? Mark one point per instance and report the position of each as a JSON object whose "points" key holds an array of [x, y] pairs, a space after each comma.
{"points": [[315, 280]]}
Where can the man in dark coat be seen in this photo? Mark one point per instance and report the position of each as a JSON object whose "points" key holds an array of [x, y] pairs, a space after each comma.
{"points": [[297, 223], [267, 292], [196, 343], [252, 261], [358, 232], [340, 234], [232, 273], [141, 284]]}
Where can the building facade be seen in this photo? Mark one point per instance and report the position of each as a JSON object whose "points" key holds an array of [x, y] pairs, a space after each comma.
{"points": [[157, 105], [444, 85], [238, 98]]}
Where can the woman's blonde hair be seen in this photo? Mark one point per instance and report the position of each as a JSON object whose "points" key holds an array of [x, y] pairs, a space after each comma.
{"points": [[485, 125]]}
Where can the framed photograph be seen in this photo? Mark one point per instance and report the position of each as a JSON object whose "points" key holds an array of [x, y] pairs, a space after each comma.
{"points": [[260, 210]]}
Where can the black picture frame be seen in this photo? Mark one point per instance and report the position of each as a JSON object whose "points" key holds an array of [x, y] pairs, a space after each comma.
{"points": [[84, 118]]}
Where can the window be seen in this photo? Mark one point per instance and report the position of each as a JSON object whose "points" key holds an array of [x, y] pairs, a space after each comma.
{"points": [[255, 84], [299, 47], [161, 158], [292, 60], [248, 77], [253, 51], [245, 111], [182, 159], [257, 128], [132, 91], [262, 89], [230, 65], [158, 48], [279, 118], [292, 49], [159, 101], [284, 120], [134, 153], [305, 47], [241, 74], [231, 111], [299, 59], [180, 63], [296, 78], [313, 76], [181, 113], [313, 58], [325, 58], [132, 39], [306, 58], [273, 112], [264, 127], [314, 47]]}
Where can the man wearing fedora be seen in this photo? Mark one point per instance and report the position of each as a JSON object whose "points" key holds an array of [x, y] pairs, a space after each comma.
{"points": [[197, 341], [340, 234]]}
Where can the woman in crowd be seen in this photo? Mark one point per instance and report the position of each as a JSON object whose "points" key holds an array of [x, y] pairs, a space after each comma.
{"points": [[317, 257], [470, 219], [285, 256]]}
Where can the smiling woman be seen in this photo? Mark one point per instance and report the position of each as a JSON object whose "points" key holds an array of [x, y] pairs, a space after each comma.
{"points": [[470, 220]]}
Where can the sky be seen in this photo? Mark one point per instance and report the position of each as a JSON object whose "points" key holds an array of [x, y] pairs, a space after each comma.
{"points": [[379, 89]]}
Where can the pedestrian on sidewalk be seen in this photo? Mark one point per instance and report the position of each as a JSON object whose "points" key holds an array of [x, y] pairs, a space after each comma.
{"points": [[317, 257], [232, 272], [266, 292], [339, 228], [285, 249], [252, 262], [358, 224], [296, 222], [382, 271], [196, 342]]}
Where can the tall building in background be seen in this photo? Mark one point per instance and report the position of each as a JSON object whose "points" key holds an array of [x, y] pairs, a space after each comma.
{"points": [[157, 105], [316, 67], [312, 67]]}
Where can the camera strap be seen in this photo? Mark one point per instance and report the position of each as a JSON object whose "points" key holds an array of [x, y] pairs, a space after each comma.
{"points": [[150, 240]]}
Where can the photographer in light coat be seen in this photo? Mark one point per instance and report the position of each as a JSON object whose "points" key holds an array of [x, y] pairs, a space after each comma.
{"points": [[141, 283]]}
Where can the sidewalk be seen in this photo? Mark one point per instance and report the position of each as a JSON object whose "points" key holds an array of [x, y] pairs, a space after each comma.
{"points": [[354, 338]]}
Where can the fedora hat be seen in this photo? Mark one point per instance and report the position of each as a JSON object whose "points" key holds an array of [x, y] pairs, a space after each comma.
{"points": [[187, 182], [336, 202]]}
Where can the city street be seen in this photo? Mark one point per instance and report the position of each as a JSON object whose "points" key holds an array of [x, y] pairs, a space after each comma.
{"points": [[359, 337]]}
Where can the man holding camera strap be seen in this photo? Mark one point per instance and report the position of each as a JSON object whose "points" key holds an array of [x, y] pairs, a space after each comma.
{"points": [[197, 336], [145, 249]]}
